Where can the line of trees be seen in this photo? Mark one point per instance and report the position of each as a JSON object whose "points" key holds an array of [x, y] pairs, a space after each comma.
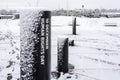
{"points": [[76, 12], [84, 12], [7, 12]]}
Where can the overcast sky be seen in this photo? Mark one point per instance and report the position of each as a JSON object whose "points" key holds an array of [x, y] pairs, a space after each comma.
{"points": [[58, 4]]}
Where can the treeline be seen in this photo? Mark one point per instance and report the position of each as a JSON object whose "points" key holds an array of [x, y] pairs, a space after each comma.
{"points": [[77, 12], [7, 12], [84, 12]]}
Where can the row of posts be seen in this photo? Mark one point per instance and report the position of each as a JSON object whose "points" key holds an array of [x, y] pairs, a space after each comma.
{"points": [[35, 47]]}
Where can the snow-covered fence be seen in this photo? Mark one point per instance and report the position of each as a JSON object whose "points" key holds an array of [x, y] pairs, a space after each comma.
{"points": [[74, 26], [62, 54], [35, 36]]}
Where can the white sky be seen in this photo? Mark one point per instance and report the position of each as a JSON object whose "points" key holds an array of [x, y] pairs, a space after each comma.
{"points": [[57, 4]]}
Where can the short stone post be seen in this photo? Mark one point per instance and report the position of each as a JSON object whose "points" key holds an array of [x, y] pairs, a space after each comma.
{"points": [[62, 55], [74, 26]]}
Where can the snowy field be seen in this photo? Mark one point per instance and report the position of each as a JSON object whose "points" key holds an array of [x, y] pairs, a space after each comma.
{"points": [[95, 55]]}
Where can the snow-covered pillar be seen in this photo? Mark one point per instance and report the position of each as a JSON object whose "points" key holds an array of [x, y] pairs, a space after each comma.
{"points": [[62, 47], [74, 26], [35, 36]]}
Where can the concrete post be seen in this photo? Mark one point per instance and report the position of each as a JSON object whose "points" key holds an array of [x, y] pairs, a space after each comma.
{"points": [[35, 40]]}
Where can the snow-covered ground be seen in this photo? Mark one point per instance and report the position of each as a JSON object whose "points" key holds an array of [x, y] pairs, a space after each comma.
{"points": [[9, 49], [95, 55]]}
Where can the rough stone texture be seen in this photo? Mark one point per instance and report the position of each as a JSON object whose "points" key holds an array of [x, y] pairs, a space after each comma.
{"points": [[30, 46], [29, 37]]}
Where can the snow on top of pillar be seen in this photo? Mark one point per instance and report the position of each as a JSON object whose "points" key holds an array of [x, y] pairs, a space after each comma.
{"points": [[62, 39], [30, 13], [30, 18]]}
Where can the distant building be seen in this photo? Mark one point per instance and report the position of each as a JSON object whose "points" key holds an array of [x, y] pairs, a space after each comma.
{"points": [[6, 16], [14, 16]]}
